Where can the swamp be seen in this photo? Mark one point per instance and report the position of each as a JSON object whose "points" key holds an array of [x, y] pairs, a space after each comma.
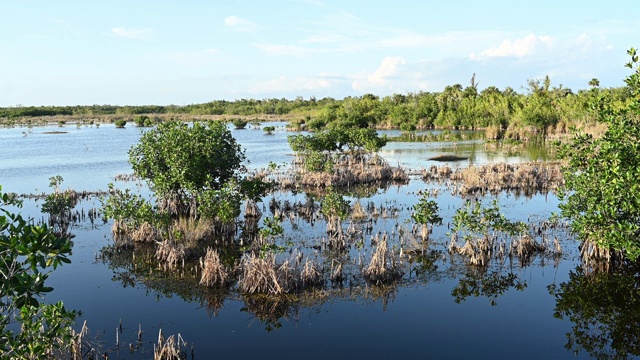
{"points": [[454, 248]]}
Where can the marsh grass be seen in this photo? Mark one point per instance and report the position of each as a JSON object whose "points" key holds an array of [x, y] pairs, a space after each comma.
{"points": [[521, 179], [213, 271], [172, 348], [259, 275], [385, 266], [346, 171]]}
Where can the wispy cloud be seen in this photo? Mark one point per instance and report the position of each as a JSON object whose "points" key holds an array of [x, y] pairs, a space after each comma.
{"points": [[131, 33], [241, 25], [393, 75], [518, 48]]}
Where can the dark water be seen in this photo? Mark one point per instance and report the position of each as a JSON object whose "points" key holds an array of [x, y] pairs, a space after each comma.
{"points": [[441, 308]]}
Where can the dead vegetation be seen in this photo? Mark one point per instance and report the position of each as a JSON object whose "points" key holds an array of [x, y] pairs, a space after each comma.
{"points": [[385, 266], [262, 275], [346, 171], [521, 179], [172, 348], [213, 271]]}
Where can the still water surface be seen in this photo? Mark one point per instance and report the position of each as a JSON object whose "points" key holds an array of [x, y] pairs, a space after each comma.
{"points": [[422, 317]]}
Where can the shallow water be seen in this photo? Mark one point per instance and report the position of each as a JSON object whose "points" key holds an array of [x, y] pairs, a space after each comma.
{"points": [[423, 316]]}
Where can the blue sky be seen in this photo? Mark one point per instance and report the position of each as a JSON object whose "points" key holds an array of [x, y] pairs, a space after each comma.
{"points": [[129, 52]]}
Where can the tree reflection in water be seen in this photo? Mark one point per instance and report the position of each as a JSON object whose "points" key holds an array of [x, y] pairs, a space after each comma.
{"points": [[604, 308]]}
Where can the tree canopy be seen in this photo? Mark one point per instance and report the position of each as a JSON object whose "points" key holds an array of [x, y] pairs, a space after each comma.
{"points": [[182, 160]]}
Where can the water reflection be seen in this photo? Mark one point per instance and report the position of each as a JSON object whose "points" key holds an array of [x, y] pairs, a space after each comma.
{"points": [[604, 309]]}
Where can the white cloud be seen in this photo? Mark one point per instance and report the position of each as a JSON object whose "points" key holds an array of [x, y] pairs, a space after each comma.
{"points": [[241, 25], [518, 48], [388, 68], [138, 34], [393, 74]]}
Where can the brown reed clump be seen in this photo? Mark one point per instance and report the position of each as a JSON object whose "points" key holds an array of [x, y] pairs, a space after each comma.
{"points": [[259, 275], [171, 254], [189, 231], [310, 276], [526, 247], [172, 348], [144, 233], [525, 178], [358, 212], [384, 265], [252, 210], [213, 271], [347, 171], [336, 275]]}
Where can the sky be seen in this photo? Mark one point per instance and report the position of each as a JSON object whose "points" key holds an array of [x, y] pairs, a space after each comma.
{"points": [[128, 52]]}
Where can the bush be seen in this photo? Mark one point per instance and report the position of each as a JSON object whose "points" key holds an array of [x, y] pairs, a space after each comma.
{"points": [[28, 253], [180, 161], [143, 121], [239, 123], [120, 123], [602, 178]]}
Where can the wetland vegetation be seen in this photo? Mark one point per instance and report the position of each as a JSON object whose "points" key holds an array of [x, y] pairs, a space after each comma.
{"points": [[307, 236]]}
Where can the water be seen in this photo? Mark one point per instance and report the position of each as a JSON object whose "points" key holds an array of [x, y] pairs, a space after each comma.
{"points": [[426, 315]]}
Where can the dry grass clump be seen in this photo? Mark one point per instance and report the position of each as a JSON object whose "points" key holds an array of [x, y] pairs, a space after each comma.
{"points": [[526, 247], [346, 171], [171, 254], [172, 348], [213, 271], [79, 343], [252, 210], [310, 276], [336, 275], [125, 236], [524, 178], [358, 212], [144, 233], [477, 250], [189, 231], [384, 265], [259, 275]]}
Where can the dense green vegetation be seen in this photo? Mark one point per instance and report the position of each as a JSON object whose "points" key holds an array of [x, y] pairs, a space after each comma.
{"points": [[543, 108], [602, 178], [30, 328]]}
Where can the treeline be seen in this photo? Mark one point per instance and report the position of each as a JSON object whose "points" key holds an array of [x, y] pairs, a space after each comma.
{"points": [[542, 108]]}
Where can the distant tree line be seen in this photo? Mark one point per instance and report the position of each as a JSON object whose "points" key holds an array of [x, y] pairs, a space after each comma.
{"points": [[542, 107]]}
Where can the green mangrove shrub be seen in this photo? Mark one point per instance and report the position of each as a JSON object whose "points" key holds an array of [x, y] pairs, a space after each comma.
{"points": [[59, 205], [425, 213], [239, 123], [143, 121], [180, 162], [602, 178], [29, 328], [120, 123], [269, 129]]}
